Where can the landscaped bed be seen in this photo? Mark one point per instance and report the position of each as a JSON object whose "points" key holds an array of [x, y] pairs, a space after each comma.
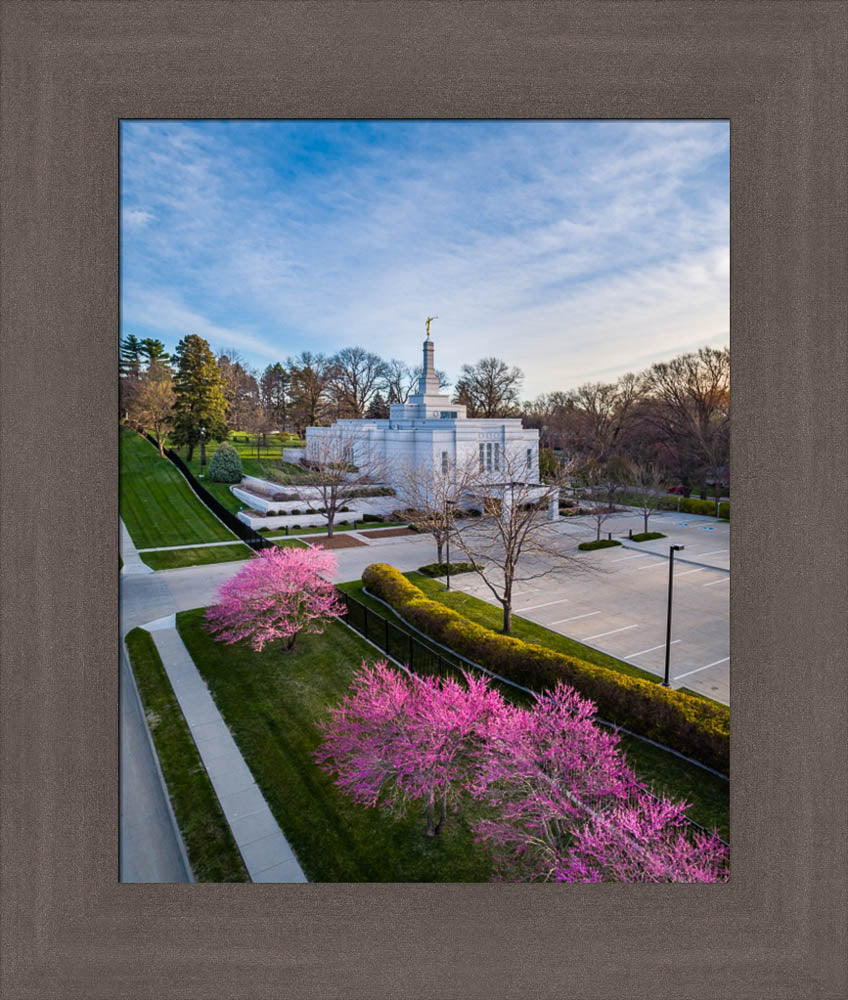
{"points": [[388, 533], [210, 846], [271, 702], [335, 542]]}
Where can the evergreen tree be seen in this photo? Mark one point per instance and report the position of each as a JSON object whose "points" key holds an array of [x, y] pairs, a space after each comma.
{"points": [[153, 350], [378, 408], [131, 352], [199, 391]]}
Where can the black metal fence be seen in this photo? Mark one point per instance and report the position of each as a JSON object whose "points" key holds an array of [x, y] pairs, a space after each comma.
{"points": [[244, 531], [399, 644]]}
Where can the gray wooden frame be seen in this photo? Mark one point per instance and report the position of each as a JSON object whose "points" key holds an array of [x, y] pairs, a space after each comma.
{"points": [[70, 71]]}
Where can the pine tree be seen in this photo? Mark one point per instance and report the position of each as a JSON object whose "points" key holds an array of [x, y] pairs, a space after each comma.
{"points": [[199, 390], [153, 350], [131, 351]]}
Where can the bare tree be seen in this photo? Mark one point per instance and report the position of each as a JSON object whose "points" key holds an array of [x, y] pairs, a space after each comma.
{"points": [[433, 495], [336, 472], [647, 479], [514, 541], [357, 377], [489, 389], [692, 411], [601, 481], [309, 377]]}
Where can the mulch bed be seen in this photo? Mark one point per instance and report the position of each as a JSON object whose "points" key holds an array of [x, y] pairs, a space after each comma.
{"points": [[388, 533], [336, 542]]}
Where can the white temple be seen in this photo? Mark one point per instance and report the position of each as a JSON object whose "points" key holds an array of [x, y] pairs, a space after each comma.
{"points": [[430, 431]]}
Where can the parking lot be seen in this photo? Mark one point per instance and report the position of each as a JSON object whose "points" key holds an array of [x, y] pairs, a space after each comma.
{"points": [[616, 599]]}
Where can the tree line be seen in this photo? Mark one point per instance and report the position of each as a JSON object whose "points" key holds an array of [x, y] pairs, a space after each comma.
{"points": [[668, 422]]}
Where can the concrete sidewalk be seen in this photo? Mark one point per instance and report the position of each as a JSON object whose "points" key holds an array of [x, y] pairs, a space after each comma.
{"points": [[129, 554], [266, 852]]}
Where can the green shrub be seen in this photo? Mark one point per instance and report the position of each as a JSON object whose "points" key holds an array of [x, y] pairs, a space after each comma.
{"points": [[724, 510], [225, 465], [371, 518], [441, 569], [646, 536], [691, 725], [603, 543]]}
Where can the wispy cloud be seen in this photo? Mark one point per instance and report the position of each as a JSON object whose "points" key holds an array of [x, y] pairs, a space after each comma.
{"points": [[576, 250]]}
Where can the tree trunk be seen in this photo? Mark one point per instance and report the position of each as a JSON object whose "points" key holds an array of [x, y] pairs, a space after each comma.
{"points": [[190, 453], [439, 549], [290, 643], [331, 520], [507, 617], [645, 515], [428, 813], [443, 812]]}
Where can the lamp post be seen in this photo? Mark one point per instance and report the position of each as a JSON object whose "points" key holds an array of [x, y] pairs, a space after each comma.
{"points": [[447, 543], [671, 550], [202, 450]]}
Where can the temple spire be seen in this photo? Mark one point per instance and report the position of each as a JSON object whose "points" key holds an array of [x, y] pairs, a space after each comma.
{"points": [[428, 384]]}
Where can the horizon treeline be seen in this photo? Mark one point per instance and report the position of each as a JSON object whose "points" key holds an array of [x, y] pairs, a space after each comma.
{"points": [[668, 421]]}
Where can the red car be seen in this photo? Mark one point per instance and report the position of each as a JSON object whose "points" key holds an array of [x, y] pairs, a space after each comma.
{"points": [[680, 490]]}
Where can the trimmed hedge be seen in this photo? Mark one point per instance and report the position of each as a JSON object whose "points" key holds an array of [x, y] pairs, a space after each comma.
{"points": [[646, 536], [689, 505], [688, 724], [603, 543], [441, 569]]}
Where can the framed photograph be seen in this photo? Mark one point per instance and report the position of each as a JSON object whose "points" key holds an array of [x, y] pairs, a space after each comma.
{"points": [[302, 233]]}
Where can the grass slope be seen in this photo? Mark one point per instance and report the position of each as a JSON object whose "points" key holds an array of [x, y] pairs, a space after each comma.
{"points": [[271, 702], [209, 843], [667, 774], [157, 504]]}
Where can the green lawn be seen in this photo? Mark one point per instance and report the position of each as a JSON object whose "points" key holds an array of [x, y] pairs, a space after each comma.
{"points": [[157, 504], [175, 558], [271, 702], [209, 843], [666, 773]]}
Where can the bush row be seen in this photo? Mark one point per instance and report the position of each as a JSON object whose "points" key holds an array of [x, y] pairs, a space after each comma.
{"points": [[689, 505], [603, 543], [441, 569], [688, 724], [646, 536]]}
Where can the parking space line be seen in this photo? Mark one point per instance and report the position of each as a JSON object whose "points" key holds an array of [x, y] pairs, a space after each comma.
{"points": [[640, 555], [629, 656], [663, 563], [689, 673], [712, 583], [700, 569], [715, 552], [600, 635], [588, 614], [533, 607]]}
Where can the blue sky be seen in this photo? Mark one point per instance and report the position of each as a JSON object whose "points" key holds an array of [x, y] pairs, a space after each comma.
{"points": [[576, 250]]}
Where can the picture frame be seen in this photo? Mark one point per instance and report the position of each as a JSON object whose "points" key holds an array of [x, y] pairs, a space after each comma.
{"points": [[72, 71]]}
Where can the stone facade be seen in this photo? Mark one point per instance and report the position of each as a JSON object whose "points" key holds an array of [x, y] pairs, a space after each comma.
{"points": [[430, 431]]}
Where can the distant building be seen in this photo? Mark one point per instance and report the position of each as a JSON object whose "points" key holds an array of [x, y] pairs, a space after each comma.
{"points": [[431, 432]]}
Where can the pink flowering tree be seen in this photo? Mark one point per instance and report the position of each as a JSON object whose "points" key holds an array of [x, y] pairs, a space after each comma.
{"points": [[647, 839], [277, 596], [542, 771], [398, 738]]}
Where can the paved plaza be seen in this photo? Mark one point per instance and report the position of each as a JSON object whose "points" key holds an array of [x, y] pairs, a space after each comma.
{"points": [[616, 599]]}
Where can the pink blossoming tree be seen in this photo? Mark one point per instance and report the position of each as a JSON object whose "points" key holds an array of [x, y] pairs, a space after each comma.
{"points": [[644, 840], [542, 772], [276, 596], [398, 738]]}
